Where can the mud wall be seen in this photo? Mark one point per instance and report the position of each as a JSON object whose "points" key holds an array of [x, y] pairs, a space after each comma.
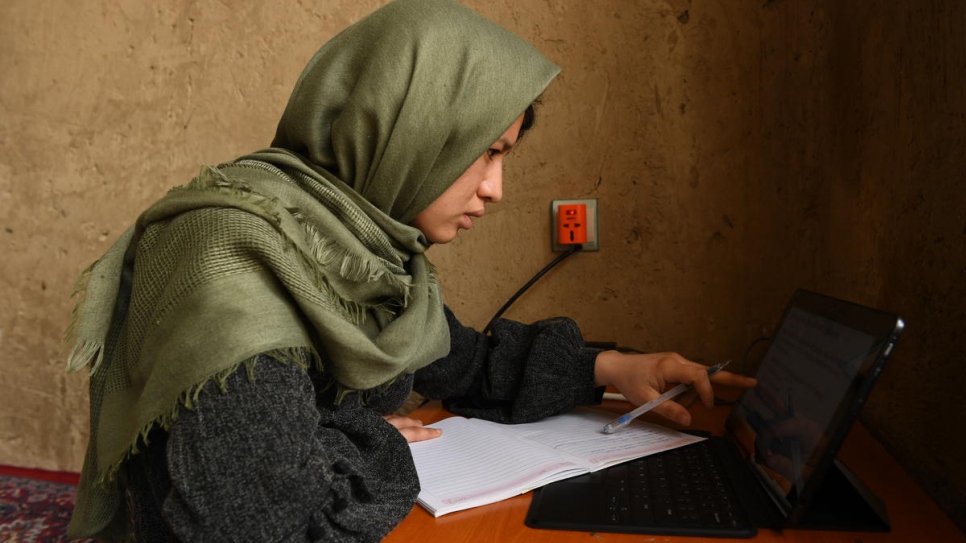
{"points": [[738, 150]]}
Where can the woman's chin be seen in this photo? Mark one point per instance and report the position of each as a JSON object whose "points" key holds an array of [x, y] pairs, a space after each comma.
{"points": [[445, 239], [439, 238]]}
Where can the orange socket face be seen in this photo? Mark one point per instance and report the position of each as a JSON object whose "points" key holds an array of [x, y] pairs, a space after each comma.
{"points": [[572, 224]]}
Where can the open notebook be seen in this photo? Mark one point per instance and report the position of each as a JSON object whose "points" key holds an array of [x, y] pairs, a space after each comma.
{"points": [[477, 462]]}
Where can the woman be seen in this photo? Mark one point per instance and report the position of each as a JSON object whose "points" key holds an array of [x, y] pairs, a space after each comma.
{"points": [[249, 335]]}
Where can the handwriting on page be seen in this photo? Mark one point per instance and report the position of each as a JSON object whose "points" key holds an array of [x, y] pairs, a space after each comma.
{"points": [[581, 437]]}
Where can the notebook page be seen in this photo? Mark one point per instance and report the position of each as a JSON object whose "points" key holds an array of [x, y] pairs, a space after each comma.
{"points": [[477, 462], [580, 433]]}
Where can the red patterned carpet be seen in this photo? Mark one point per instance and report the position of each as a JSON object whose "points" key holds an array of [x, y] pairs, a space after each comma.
{"points": [[35, 505]]}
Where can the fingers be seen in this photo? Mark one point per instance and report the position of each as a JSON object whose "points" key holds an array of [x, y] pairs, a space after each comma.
{"points": [[674, 411], [643, 377], [728, 379], [401, 422], [682, 370], [412, 429], [421, 433], [688, 398], [676, 368]]}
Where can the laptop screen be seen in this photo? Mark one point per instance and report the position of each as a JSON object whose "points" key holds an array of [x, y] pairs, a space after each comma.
{"points": [[817, 372]]}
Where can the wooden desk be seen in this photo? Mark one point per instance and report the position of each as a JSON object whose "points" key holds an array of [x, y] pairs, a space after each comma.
{"points": [[914, 516]]}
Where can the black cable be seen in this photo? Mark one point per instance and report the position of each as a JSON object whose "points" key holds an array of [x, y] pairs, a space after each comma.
{"points": [[741, 369], [744, 359], [530, 283]]}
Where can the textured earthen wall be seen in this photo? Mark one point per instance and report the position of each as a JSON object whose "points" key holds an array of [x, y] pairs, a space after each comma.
{"points": [[738, 150]]}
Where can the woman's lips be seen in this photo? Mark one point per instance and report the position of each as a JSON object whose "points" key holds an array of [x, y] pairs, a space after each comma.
{"points": [[466, 221]]}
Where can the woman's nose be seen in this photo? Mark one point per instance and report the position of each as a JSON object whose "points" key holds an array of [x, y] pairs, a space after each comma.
{"points": [[492, 186]]}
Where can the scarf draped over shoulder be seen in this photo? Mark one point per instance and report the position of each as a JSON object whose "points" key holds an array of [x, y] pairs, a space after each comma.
{"points": [[301, 246]]}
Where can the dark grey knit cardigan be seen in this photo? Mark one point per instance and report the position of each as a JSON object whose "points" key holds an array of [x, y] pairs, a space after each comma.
{"points": [[274, 459]]}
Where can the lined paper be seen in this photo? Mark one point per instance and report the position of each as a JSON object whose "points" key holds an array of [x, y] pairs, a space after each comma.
{"points": [[476, 462]]}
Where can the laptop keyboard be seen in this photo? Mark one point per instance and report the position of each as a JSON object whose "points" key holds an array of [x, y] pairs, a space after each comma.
{"points": [[681, 487]]}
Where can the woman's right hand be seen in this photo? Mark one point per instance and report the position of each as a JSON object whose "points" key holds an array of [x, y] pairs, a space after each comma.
{"points": [[412, 429], [643, 377]]}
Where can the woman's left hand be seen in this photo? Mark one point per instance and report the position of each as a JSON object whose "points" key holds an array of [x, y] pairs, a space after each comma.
{"points": [[643, 377], [412, 429]]}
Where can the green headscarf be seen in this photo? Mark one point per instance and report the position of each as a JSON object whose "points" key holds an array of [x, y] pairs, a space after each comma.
{"points": [[305, 244]]}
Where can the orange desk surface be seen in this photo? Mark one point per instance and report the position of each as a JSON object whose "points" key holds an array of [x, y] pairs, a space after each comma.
{"points": [[914, 516]]}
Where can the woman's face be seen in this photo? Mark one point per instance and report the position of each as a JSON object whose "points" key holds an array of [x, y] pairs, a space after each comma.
{"points": [[465, 199]]}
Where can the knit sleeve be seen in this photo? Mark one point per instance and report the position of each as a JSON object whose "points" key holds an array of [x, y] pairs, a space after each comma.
{"points": [[263, 462], [520, 373]]}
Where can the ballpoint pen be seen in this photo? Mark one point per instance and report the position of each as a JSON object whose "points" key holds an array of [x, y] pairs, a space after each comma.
{"points": [[623, 420]]}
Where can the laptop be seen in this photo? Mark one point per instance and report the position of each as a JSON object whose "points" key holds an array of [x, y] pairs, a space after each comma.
{"points": [[776, 465]]}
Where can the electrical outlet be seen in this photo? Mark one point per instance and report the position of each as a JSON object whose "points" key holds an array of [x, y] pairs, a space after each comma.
{"points": [[572, 224], [592, 243]]}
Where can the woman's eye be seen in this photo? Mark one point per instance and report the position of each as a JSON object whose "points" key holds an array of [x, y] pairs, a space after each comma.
{"points": [[490, 153]]}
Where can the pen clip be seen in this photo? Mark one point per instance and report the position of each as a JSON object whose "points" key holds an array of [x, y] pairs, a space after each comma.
{"points": [[718, 367]]}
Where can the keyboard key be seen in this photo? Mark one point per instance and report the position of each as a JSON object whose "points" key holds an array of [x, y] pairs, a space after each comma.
{"points": [[678, 487]]}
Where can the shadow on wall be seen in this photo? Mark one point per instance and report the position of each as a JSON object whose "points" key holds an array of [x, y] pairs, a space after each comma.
{"points": [[876, 123]]}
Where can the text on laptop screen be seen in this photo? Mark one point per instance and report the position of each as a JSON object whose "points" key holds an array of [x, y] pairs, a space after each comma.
{"points": [[805, 380]]}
